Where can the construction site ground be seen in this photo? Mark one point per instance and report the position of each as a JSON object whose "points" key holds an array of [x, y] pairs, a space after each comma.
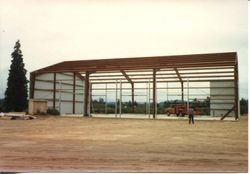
{"points": [[64, 144]]}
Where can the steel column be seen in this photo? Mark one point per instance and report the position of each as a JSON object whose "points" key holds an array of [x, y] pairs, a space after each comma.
{"points": [[86, 94], [54, 91], [32, 85], [74, 92], [167, 90], [120, 104], [116, 99], [90, 100], [60, 95], [148, 94], [182, 92], [187, 94], [133, 97], [236, 89], [90, 91], [154, 93], [106, 99]]}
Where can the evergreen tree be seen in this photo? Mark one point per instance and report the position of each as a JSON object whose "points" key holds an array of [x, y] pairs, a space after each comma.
{"points": [[243, 106], [16, 93]]}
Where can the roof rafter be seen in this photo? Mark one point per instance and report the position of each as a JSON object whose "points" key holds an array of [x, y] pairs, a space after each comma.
{"points": [[156, 62]]}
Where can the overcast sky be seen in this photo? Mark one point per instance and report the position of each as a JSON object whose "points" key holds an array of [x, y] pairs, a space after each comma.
{"points": [[51, 32]]}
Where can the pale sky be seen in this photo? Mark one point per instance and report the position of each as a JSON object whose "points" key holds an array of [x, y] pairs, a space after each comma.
{"points": [[55, 31]]}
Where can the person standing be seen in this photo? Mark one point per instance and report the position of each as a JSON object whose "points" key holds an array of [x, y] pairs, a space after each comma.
{"points": [[191, 115]]}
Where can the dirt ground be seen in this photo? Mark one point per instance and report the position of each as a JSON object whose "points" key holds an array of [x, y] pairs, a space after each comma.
{"points": [[56, 144]]}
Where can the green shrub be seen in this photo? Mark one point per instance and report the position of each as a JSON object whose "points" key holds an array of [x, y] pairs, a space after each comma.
{"points": [[52, 111]]}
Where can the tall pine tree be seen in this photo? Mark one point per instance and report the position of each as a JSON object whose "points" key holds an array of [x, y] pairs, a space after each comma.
{"points": [[16, 93]]}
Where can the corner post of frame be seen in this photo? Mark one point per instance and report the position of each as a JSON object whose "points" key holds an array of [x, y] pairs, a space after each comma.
{"points": [[32, 85], [236, 89], [54, 91]]}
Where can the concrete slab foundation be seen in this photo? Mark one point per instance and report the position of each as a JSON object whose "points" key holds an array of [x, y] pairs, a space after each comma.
{"points": [[159, 117]]}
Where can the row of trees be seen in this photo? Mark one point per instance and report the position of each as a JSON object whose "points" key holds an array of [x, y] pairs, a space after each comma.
{"points": [[98, 106]]}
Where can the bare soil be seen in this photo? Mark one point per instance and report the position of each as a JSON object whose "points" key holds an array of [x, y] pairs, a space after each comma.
{"points": [[56, 144]]}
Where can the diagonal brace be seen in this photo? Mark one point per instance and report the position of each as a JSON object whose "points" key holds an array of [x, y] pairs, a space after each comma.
{"points": [[182, 90], [132, 87], [126, 76], [178, 74]]}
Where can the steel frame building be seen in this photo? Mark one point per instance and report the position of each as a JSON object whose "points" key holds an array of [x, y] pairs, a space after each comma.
{"points": [[219, 69]]}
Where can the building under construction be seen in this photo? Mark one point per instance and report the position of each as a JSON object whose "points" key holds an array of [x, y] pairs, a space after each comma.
{"points": [[69, 86]]}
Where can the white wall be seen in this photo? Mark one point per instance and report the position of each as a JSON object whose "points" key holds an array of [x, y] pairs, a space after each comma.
{"points": [[44, 86], [222, 97]]}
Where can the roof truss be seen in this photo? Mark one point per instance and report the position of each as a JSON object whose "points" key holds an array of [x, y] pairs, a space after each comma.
{"points": [[200, 67]]}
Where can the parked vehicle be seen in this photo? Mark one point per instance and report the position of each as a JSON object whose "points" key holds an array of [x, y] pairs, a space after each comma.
{"points": [[180, 110]]}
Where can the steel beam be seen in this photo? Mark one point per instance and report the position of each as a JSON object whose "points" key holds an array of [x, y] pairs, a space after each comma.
{"points": [[132, 66], [198, 60], [80, 76], [162, 74], [229, 111], [126, 76], [164, 81], [166, 77]]}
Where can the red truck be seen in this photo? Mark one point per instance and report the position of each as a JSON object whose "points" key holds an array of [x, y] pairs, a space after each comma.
{"points": [[180, 110]]}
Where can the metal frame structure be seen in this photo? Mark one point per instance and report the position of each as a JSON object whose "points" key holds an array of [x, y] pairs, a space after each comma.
{"points": [[152, 70]]}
